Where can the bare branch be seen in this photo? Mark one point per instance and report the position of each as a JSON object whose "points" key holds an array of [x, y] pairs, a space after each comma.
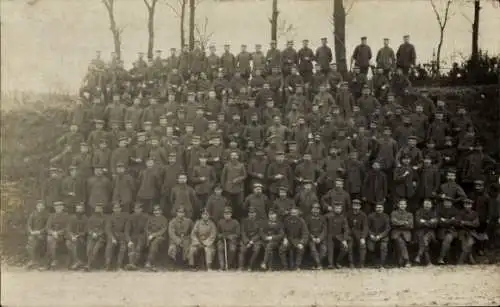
{"points": [[446, 13], [174, 9], [438, 17], [350, 7], [147, 4]]}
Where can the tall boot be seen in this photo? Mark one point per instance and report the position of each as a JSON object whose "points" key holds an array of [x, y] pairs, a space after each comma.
{"points": [[121, 256], [220, 256], [241, 259], [463, 256], [284, 262], [362, 256], [253, 257], [298, 261]]}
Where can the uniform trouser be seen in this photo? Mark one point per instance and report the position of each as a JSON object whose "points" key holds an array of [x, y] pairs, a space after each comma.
{"points": [[74, 246], [135, 248], [269, 248], [175, 248], [203, 199], [35, 242], [236, 200], [285, 252], [318, 251], [94, 245], [402, 248], [244, 248], [153, 247], [52, 244], [147, 204], [424, 237], [232, 247], [363, 69], [353, 244], [331, 243], [446, 242], [121, 244], [383, 243], [466, 242], [209, 254]]}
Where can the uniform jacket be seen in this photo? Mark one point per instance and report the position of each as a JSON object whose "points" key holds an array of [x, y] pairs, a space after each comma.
{"points": [[233, 177], [124, 188], [179, 230], [379, 224], [275, 229], [116, 225], [204, 233], [402, 224], [136, 226], [317, 226], [374, 186], [77, 225], [358, 223], [99, 190], [185, 196], [149, 183], [228, 229], [296, 230], [338, 227], [205, 186]]}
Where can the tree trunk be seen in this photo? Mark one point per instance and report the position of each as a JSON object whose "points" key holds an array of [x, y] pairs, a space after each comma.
{"points": [[110, 7], [438, 53], [274, 21], [151, 31], [192, 14], [475, 39], [339, 19], [182, 18]]}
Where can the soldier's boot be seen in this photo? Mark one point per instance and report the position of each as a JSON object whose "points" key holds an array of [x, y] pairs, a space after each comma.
{"points": [[417, 259], [462, 257], [445, 247], [148, 266], [30, 265], [427, 258], [253, 258], [299, 256], [241, 260], [220, 256], [132, 260], [317, 261], [121, 256], [340, 258], [362, 257], [471, 259], [350, 258], [284, 260], [231, 254], [383, 256]]}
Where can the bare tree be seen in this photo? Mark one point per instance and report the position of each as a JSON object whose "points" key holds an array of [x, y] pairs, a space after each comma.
{"points": [[442, 16], [151, 6], [338, 22], [274, 20], [116, 31], [179, 10], [202, 33], [286, 30], [192, 15]]}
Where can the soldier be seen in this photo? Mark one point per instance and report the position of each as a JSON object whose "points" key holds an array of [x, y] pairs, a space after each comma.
{"points": [[228, 62], [345, 100], [212, 63], [182, 195], [354, 174], [203, 236], [324, 55], [288, 58], [272, 233], [258, 201], [156, 227], [124, 188], [233, 182], [273, 57], [96, 234], [115, 235], [379, 226], [37, 231], [336, 195], [122, 154], [73, 187], [184, 62], [426, 221], [115, 111], [197, 58], [250, 239], [358, 223], [305, 59], [77, 233], [179, 234], [99, 189], [71, 140], [405, 181], [447, 224], [362, 56], [101, 156], [451, 189], [57, 225], [83, 161], [468, 221], [386, 59], [317, 226], [406, 56], [135, 235], [258, 59], [283, 204], [97, 135], [402, 225], [367, 102], [52, 188], [203, 178], [227, 241], [375, 187], [438, 129], [338, 234], [216, 204], [295, 240], [148, 191], [243, 62]]}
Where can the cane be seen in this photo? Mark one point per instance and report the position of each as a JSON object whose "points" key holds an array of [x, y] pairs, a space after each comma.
{"points": [[225, 254]]}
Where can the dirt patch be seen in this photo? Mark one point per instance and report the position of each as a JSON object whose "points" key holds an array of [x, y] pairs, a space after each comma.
{"points": [[452, 285]]}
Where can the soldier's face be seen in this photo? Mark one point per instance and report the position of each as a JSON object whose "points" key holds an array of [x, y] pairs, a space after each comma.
{"points": [[280, 158], [227, 215], [427, 162], [402, 205], [315, 211], [98, 126], [172, 159], [272, 217], [451, 177], [98, 172], [189, 129], [447, 204], [120, 170], [406, 39], [294, 212], [129, 126], [40, 206], [157, 212], [84, 149], [282, 194], [339, 184], [337, 209], [73, 172], [479, 186], [205, 216], [79, 209], [180, 214], [59, 208], [257, 190], [234, 156], [467, 206], [252, 215], [427, 204], [182, 179], [379, 208], [138, 209], [98, 209], [150, 163], [356, 207], [117, 209]]}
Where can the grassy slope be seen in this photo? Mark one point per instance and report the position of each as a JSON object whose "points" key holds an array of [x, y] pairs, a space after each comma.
{"points": [[31, 124]]}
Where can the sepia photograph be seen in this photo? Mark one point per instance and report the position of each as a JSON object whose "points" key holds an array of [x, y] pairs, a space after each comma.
{"points": [[250, 153]]}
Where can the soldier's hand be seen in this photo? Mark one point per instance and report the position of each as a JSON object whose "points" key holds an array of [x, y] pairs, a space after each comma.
{"points": [[422, 221], [344, 243], [285, 241], [373, 237], [362, 241], [260, 176], [73, 238], [330, 208], [150, 237], [113, 241], [269, 238], [71, 194], [203, 178], [130, 244], [216, 158], [300, 246], [250, 242], [94, 235], [443, 219], [377, 237]]}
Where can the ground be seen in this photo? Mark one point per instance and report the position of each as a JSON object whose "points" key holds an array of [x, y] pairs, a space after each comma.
{"points": [[464, 286]]}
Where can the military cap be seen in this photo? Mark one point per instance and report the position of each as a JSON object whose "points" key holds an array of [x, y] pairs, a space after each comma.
{"points": [[243, 45], [172, 154], [307, 181], [84, 144], [451, 171], [227, 45], [427, 157], [218, 187], [259, 151], [228, 209], [138, 205], [140, 53], [363, 37], [316, 205], [148, 123], [204, 211], [305, 40], [141, 133], [258, 185], [116, 204], [323, 38], [128, 121], [337, 204], [196, 137], [339, 179], [258, 45], [283, 188], [99, 204], [173, 49], [356, 201], [120, 164], [479, 181], [99, 121], [157, 207], [154, 137], [181, 110], [72, 166], [53, 169], [448, 138], [180, 209], [412, 137], [58, 203], [365, 86], [123, 138], [406, 36], [289, 42], [280, 152], [271, 211], [468, 201], [292, 142]]}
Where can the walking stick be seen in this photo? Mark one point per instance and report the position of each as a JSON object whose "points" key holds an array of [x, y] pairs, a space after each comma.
{"points": [[225, 255]]}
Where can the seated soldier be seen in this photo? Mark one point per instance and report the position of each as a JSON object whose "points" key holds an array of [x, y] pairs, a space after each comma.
{"points": [[447, 227], [468, 221], [179, 233], [379, 227], [203, 237], [296, 237], [36, 225], [228, 236], [57, 224], [402, 225], [358, 223], [135, 234], [77, 231], [425, 223], [96, 234], [316, 223], [338, 234], [272, 233], [156, 227], [250, 239], [115, 233]]}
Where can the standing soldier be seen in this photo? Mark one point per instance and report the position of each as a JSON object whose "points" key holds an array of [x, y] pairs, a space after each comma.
{"points": [[305, 59], [451, 189], [426, 221], [283, 204], [179, 234], [203, 178], [77, 231], [184, 61], [228, 62], [386, 58], [295, 240], [272, 233], [336, 195], [354, 174], [258, 201], [362, 56], [171, 172], [405, 182], [402, 225], [135, 235], [338, 234], [156, 227], [57, 225], [216, 204], [429, 180], [52, 188], [97, 135], [148, 192], [197, 59], [203, 237], [358, 223], [124, 188], [468, 221], [73, 187], [228, 237], [133, 113], [273, 57], [115, 111], [279, 173], [288, 58], [233, 182], [183, 195], [243, 62], [212, 63], [447, 224], [250, 239], [258, 59], [379, 226], [96, 234], [115, 236], [121, 155], [324, 55], [406, 56], [375, 187], [172, 60], [37, 231]]}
